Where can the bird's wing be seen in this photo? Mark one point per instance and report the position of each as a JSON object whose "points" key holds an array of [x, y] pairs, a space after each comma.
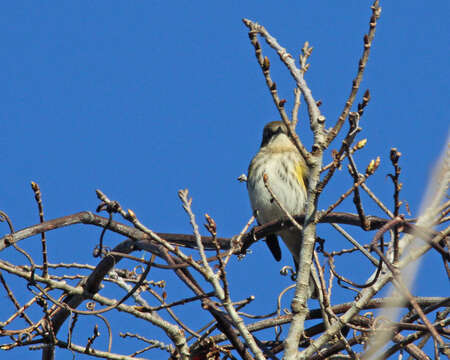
{"points": [[274, 246]]}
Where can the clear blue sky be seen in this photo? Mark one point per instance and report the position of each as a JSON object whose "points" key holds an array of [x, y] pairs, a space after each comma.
{"points": [[142, 98]]}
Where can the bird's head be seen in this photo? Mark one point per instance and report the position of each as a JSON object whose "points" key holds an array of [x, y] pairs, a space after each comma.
{"points": [[275, 131]]}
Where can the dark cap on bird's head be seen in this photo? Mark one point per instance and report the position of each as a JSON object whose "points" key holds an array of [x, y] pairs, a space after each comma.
{"points": [[271, 130]]}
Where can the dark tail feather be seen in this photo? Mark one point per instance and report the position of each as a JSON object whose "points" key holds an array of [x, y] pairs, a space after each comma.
{"points": [[274, 246]]}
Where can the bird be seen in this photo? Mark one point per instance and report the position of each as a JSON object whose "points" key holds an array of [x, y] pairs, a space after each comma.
{"points": [[286, 173]]}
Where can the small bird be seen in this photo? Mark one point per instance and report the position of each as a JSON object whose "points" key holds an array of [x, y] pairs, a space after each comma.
{"points": [[287, 177]]}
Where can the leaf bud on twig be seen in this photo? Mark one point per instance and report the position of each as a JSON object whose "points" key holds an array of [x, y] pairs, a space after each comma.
{"points": [[211, 225], [266, 63], [360, 144], [395, 155], [373, 166]]}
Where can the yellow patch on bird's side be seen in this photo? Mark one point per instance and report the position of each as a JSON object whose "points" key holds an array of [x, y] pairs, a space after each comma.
{"points": [[300, 171]]}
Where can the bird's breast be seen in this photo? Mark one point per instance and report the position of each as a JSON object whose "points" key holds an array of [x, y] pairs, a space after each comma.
{"points": [[284, 180]]}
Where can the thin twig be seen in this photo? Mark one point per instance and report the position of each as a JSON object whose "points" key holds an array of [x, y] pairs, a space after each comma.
{"points": [[357, 245], [368, 39], [357, 199], [38, 197], [20, 310], [395, 156], [295, 108], [376, 200]]}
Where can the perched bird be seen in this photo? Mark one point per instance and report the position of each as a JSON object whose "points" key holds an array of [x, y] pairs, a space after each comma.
{"points": [[287, 177]]}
